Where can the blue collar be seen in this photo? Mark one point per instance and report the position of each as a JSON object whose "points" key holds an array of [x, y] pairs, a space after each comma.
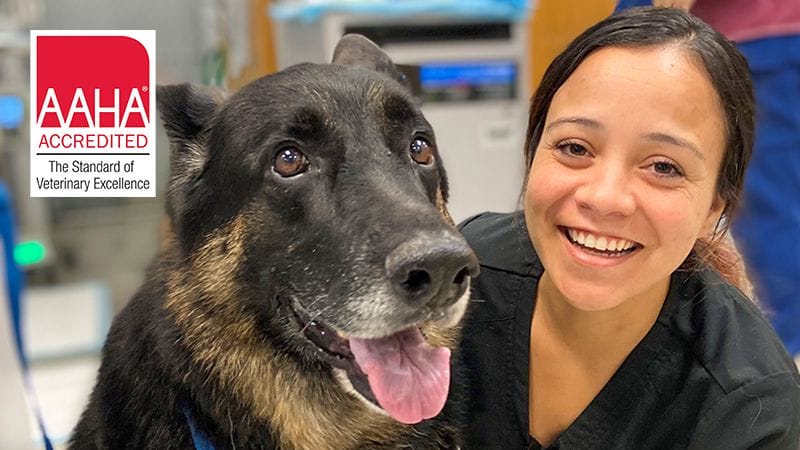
{"points": [[199, 438]]}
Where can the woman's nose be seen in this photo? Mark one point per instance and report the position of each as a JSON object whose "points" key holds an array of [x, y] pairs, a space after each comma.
{"points": [[606, 190]]}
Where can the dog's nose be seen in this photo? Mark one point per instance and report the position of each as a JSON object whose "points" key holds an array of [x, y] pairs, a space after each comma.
{"points": [[432, 271]]}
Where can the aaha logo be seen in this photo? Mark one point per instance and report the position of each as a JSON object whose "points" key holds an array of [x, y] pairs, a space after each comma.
{"points": [[85, 114], [92, 82], [92, 97]]}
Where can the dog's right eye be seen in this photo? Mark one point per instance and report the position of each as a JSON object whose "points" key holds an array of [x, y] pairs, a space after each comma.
{"points": [[422, 151], [290, 162]]}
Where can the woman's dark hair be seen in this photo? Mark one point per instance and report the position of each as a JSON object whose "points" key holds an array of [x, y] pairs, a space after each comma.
{"points": [[729, 74]]}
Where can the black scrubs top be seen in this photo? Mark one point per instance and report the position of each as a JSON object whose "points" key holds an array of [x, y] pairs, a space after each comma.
{"points": [[710, 374]]}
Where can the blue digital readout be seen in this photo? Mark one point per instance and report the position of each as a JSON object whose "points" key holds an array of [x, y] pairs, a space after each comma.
{"points": [[468, 74], [468, 81]]}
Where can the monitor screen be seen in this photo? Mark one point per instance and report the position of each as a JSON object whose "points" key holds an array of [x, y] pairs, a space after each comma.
{"points": [[468, 81]]}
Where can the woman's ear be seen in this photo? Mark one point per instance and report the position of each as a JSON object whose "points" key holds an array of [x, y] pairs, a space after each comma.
{"points": [[714, 216]]}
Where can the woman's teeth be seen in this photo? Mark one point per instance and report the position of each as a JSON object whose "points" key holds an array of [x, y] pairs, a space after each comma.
{"points": [[600, 243]]}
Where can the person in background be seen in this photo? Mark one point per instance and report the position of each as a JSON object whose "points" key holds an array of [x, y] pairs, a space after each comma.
{"points": [[606, 313], [766, 228]]}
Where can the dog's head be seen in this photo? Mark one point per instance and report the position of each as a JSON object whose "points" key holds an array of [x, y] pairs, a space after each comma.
{"points": [[321, 189]]}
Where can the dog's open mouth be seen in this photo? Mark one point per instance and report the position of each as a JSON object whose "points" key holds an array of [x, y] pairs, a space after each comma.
{"points": [[401, 373]]}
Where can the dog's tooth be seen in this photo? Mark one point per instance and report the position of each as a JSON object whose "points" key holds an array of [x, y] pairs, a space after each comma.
{"points": [[581, 238], [612, 245]]}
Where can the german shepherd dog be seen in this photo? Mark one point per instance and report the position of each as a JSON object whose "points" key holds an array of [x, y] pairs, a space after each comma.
{"points": [[308, 290]]}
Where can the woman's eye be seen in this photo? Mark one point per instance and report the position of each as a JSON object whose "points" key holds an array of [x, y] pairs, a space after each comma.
{"points": [[290, 162], [421, 151], [572, 149], [666, 169]]}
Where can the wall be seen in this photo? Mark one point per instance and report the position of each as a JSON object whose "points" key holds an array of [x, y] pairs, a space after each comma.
{"points": [[555, 23]]}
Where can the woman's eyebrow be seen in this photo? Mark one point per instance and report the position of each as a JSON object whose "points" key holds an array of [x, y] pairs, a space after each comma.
{"points": [[577, 120], [674, 140]]}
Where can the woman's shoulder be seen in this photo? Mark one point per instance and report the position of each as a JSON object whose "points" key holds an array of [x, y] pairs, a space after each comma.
{"points": [[509, 267], [727, 332], [758, 385], [501, 242], [735, 375]]}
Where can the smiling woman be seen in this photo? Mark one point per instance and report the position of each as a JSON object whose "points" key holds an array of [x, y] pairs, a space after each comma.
{"points": [[617, 173], [600, 317]]}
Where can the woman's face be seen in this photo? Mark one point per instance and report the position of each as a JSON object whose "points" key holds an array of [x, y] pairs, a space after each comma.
{"points": [[623, 180]]}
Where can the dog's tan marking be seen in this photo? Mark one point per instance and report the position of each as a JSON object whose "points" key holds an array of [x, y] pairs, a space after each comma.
{"points": [[441, 337], [217, 262], [440, 205], [224, 342], [375, 90]]}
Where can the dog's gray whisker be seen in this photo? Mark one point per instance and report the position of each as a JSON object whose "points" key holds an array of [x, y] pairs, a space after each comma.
{"points": [[305, 327], [311, 320], [230, 423]]}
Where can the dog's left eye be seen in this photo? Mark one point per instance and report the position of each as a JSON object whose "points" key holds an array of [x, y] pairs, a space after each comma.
{"points": [[422, 151], [290, 162]]}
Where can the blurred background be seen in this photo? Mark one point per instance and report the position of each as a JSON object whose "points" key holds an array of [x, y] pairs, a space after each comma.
{"points": [[83, 258]]}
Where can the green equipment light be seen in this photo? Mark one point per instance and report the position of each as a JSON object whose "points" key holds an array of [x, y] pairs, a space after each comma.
{"points": [[29, 252]]}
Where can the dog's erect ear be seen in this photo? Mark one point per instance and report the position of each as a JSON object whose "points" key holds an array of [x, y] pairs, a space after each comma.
{"points": [[186, 111], [356, 50]]}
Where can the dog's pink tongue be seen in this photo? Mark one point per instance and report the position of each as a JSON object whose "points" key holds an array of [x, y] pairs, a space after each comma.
{"points": [[409, 378]]}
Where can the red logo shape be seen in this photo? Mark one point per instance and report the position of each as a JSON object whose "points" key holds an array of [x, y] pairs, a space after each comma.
{"points": [[92, 81]]}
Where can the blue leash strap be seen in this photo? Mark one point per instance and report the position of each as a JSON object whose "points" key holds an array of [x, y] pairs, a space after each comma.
{"points": [[199, 438]]}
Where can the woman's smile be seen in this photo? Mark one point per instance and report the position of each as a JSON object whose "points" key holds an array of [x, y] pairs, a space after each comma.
{"points": [[596, 249]]}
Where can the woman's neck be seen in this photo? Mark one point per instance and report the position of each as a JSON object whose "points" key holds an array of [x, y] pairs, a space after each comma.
{"points": [[574, 353], [600, 334]]}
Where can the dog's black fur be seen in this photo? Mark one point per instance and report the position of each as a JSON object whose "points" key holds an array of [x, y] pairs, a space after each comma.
{"points": [[216, 332]]}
